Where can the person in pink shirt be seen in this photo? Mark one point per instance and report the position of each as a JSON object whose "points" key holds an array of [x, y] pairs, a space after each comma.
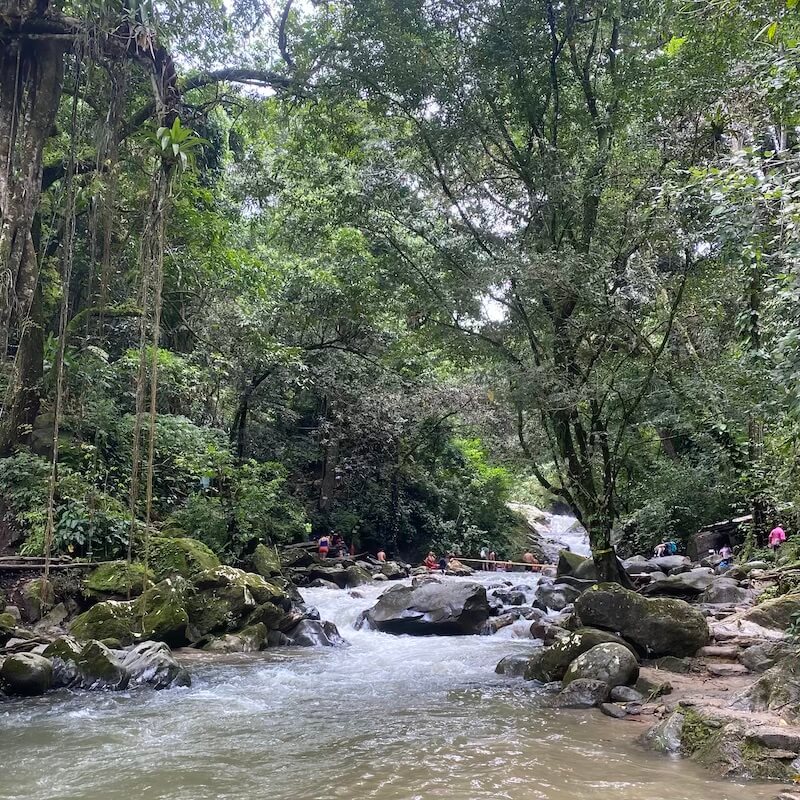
{"points": [[777, 537]]}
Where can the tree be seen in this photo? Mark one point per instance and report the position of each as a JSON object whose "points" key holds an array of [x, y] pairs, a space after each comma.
{"points": [[527, 210]]}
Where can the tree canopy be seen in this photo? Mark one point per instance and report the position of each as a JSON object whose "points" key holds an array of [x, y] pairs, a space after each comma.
{"points": [[380, 267]]}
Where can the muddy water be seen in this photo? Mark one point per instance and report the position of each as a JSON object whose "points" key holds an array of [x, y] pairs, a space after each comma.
{"points": [[395, 718]]}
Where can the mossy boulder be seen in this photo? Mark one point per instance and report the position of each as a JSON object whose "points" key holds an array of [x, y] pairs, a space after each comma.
{"points": [[611, 663], [180, 556], [248, 640], [270, 615], [357, 576], [161, 611], [34, 598], [99, 668], [111, 619], [721, 745], [262, 590], [574, 565], [116, 579], [657, 627], [8, 623], [774, 614], [266, 561], [551, 664], [777, 690], [219, 610], [26, 674]]}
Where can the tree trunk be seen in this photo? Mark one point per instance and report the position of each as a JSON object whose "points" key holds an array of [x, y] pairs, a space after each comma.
{"points": [[31, 77], [607, 565]]}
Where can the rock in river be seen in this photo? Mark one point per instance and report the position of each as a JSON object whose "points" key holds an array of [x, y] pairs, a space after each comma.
{"points": [[26, 674], [658, 627], [431, 608], [613, 664]]}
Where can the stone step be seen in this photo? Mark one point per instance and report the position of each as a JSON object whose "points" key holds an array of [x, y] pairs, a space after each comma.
{"points": [[727, 670], [720, 651]]}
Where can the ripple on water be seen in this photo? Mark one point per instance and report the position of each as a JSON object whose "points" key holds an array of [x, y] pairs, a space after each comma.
{"points": [[394, 718]]}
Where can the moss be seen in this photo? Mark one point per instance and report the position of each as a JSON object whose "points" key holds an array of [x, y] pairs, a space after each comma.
{"points": [[112, 619], [7, 622], [698, 736], [99, 668], [269, 614], [26, 674], [115, 578], [180, 556], [162, 613], [265, 561], [64, 648]]}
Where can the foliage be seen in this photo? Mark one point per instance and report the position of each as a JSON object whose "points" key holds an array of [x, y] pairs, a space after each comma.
{"points": [[87, 520]]}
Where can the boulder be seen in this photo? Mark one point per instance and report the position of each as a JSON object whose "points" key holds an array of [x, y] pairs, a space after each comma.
{"points": [[575, 566], [498, 623], [248, 640], [556, 596], [8, 623], [626, 694], [99, 668], [218, 610], [685, 584], [111, 619], [551, 664], [614, 664], [117, 579], [613, 710], [723, 591], [26, 674], [659, 626], [509, 597], [225, 577], [266, 561], [668, 563], [314, 633], [639, 565], [430, 608], [297, 558], [335, 574], [357, 576], [393, 571], [665, 736], [513, 666], [32, 596], [152, 664], [581, 693], [777, 690], [161, 611], [761, 657], [179, 556], [64, 653], [774, 614], [269, 615]]}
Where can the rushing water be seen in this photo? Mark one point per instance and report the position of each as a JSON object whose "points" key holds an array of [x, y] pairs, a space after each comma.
{"points": [[395, 718]]}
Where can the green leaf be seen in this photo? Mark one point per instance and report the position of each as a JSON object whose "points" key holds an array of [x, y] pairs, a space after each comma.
{"points": [[674, 45]]}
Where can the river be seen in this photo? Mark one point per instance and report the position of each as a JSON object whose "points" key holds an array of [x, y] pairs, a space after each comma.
{"points": [[395, 718]]}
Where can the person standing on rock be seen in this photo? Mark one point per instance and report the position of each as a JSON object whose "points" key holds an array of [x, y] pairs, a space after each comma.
{"points": [[324, 545], [484, 554], [492, 557], [381, 555], [777, 536]]}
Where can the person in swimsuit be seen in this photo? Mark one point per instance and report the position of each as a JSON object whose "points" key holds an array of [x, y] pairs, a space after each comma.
{"points": [[324, 545]]}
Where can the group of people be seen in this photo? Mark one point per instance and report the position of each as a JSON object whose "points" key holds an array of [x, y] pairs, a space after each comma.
{"points": [[332, 545], [665, 548]]}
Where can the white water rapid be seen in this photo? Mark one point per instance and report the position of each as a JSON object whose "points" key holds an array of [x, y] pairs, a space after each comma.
{"points": [[389, 718]]}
